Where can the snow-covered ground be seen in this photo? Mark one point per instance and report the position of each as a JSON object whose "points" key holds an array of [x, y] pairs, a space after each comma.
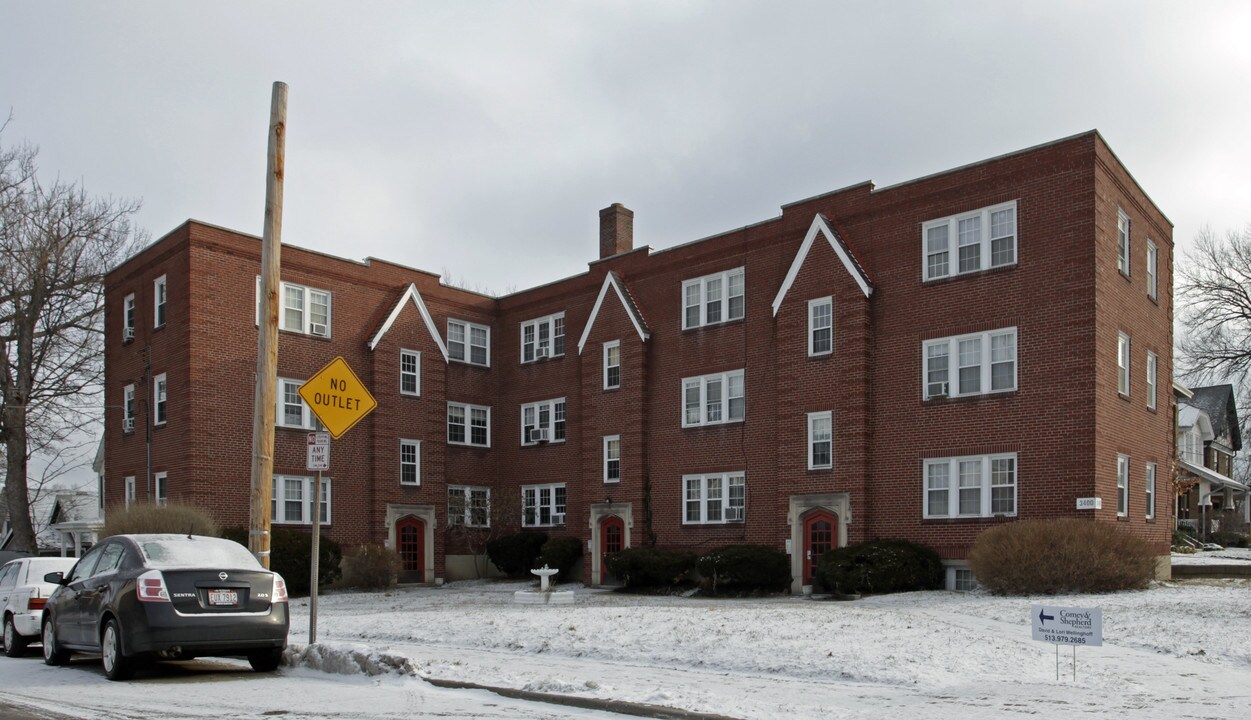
{"points": [[1228, 556]]}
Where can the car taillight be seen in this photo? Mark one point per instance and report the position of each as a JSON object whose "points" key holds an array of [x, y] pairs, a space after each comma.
{"points": [[151, 587], [280, 589], [36, 603]]}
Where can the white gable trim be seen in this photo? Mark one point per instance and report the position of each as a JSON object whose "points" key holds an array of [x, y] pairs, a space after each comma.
{"points": [[819, 225], [415, 296], [611, 280]]}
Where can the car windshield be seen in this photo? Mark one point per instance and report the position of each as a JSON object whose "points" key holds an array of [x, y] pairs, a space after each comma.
{"points": [[181, 551]]}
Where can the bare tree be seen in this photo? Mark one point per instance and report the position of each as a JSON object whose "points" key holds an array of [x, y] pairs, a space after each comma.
{"points": [[492, 517], [56, 244], [1214, 290]]}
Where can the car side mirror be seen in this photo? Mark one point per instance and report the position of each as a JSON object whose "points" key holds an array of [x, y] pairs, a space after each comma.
{"points": [[56, 578]]}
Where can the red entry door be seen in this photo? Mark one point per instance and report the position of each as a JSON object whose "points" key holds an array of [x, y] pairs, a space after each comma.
{"points": [[611, 540], [820, 535], [410, 541]]}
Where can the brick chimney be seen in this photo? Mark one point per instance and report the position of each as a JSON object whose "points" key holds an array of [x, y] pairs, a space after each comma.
{"points": [[616, 230]]}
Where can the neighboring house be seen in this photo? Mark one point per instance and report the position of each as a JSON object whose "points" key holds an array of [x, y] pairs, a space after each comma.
{"points": [[921, 361], [1209, 437]]}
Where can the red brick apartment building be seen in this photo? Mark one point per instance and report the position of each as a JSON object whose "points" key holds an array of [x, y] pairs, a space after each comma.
{"points": [[919, 361]]}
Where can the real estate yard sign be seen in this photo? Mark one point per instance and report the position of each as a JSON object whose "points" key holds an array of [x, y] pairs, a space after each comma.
{"points": [[1072, 626]]}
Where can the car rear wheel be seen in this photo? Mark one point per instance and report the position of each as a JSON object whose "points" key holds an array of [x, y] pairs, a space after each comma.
{"points": [[14, 643], [116, 665], [52, 655], [266, 660]]}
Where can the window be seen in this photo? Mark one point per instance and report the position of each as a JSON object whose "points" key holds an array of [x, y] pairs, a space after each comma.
{"points": [[820, 326], [128, 318], [1149, 483], [293, 500], [612, 458], [468, 506], [820, 440], [1153, 257], [1122, 364], [714, 499], [547, 418], [713, 299], [960, 579], [292, 411], [1122, 241], [158, 301], [410, 462], [1151, 366], [713, 399], [130, 491], [162, 488], [1122, 485], [410, 372], [158, 399], [468, 424], [469, 343], [301, 309], [128, 404], [985, 363], [543, 337], [984, 238], [1190, 446], [543, 505], [974, 486], [612, 365]]}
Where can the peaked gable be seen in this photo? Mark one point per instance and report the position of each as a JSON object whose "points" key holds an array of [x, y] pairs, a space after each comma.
{"points": [[410, 293], [627, 301], [820, 226]]}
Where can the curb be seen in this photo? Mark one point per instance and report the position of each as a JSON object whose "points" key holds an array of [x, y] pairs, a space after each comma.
{"points": [[617, 706]]}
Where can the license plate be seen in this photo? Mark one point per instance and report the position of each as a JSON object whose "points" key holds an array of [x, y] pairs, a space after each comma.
{"points": [[223, 597]]}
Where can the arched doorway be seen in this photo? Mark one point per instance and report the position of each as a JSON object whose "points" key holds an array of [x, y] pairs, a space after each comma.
{"points": [[410, 537], [611, 540], [820, 536]]}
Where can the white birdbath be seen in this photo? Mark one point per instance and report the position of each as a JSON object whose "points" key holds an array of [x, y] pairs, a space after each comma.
{"points": [[544, 595], [545, 578]]}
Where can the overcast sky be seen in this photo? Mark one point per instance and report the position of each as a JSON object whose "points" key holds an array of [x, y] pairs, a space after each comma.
{"points": [[483, 138]]}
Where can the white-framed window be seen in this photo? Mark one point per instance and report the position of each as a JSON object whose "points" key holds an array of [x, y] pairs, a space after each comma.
{"points": [[820, 440], [984, 363], [1153, 259], [1122, 364], [293, 500], [292, 411], [130, 491], [468, 342], [1122, 485], [410, 462], [1152, 361], [161, 483], [984, 238], [543, 422], [714, 498], [713, 299], [970, 486], [960, 579], [159, 296], [410, 372], [469, 506], [612, 458], [820, 326], [612, 364], [468, 424], [1192, 446], [543, 505], [128, 318], [1149, 486], [301, 309], [1122, 241], [158, 399], [543, 337], [128, 404], [713, 399]]}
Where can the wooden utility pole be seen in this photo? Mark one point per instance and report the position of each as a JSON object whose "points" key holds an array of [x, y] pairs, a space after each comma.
{"points": [[263, 403]]}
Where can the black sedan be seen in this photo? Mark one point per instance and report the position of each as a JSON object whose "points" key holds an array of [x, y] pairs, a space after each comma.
{"points": [[166, 596]]}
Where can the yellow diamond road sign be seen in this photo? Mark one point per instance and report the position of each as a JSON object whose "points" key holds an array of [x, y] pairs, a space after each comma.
{"points": [[337, 397]]}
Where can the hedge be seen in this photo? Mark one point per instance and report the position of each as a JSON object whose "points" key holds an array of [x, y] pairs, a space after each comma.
{"points": [[881, 566]]}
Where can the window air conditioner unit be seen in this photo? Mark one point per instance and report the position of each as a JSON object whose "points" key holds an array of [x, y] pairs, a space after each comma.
{"points": [[318, 329], [538, 435], [558, 519], [128, 334], [128, 424], [942, 391], [542, 352]]}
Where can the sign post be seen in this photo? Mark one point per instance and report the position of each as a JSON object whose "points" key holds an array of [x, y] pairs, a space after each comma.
{"points": [[1067, 626], [339, 400]]}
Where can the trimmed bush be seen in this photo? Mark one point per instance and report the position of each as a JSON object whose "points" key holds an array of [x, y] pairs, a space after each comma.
{"points": [[881, 566], [181, 519], [370, 567], [1063, 555], [745, 567], [561, 554], [650, 567], [515, 555], [290, 552], [1230, 538]]}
